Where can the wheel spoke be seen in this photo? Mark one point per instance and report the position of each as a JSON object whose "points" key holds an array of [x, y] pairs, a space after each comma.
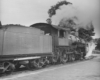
{"points": [[9, 68]]}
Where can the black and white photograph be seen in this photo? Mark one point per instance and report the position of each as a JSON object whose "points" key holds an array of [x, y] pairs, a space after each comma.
{"points": [[49, 39]]}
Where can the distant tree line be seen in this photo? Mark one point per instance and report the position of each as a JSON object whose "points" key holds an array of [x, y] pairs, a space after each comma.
{"points": [[86, 34], [0, 24], [98, 44]]}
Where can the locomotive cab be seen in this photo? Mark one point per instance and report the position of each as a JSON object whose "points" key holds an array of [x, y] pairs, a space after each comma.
{"points": [[60, 36]]}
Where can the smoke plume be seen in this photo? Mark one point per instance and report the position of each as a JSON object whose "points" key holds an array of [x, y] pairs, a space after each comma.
{"points": [[62, 12], [52, 10]]}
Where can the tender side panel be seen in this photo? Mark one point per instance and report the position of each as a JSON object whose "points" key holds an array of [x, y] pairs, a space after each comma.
{"points": [[26, 30], [1, 41], [26, 43], [46, 43]]}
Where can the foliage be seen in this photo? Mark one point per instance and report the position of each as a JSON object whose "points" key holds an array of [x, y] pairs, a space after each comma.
{"points": [[86, 34], [98, 44], [0, 24]]}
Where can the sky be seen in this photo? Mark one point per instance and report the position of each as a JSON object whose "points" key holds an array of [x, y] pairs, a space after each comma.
{"points": [[28, 12]]}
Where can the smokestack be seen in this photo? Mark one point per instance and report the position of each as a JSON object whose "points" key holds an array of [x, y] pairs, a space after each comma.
{"points": [[49, 21]]}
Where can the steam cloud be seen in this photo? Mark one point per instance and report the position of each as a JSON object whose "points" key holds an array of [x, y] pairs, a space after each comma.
{"points": [[90, 48], [69, 12]]}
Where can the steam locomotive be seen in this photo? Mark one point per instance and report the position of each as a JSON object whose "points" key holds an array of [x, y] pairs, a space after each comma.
{"points": [[39, 45]]}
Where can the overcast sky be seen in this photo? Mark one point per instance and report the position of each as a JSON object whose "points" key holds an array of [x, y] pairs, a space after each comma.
{"points": [[27, 12]]}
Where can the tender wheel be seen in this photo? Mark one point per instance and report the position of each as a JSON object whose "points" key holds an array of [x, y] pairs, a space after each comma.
{"points": [[46, 61], [17, 66], [9, 67], [31, 64], [38, 63], [64, 58]]}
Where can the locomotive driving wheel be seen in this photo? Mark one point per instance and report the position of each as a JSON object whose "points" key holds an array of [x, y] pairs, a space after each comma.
{"points": [[81, 56], [73, 57], [64, 57], [69, 57], [55, 57]]}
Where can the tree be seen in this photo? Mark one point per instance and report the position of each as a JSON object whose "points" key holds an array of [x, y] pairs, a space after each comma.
{"points": [[87, 33], [98, 44], [0, 24]]}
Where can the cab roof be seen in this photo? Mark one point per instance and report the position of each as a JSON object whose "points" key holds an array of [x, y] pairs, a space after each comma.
{"points": [[40, 25]]}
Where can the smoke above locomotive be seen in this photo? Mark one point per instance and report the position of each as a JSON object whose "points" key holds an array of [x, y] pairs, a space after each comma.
{"points": [[64, 14]]}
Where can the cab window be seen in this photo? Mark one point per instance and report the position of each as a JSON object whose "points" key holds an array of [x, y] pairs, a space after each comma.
{"points": [[61, 34]]}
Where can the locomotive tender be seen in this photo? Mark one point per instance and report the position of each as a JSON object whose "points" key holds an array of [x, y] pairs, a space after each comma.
{"points": [[37, 45]]}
